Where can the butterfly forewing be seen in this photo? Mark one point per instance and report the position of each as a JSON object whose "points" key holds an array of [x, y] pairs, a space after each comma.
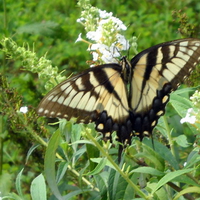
{"points": [[87, 95]]}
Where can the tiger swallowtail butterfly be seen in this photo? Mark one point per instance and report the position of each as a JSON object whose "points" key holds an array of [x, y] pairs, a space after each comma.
{"points": [[128, 97]]}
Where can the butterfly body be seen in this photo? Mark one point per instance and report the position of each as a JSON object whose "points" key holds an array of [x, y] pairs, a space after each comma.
{"points": [[128, 97]]}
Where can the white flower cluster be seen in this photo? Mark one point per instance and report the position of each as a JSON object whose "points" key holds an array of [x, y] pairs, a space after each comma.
{"points": [[105, 34], [190, 117]]}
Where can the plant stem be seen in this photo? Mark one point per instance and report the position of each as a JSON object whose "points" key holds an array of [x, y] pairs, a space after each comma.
{"points": [[168, 132], [117, 168]]}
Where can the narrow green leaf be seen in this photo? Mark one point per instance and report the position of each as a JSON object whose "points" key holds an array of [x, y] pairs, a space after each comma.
{"points": [[99, 167], [75, 194], [92, 152], [38, 188], [98, 160], [49, 164], [101, 180], [31, 150], [187, 190], [193, 158], [61, 171], [148, 170], [164, 152], [185, 179], [18, 183], [170, 176], [12, 196]]}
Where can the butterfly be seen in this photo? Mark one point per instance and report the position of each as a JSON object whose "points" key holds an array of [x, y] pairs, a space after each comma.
{"points": [[126, 97]]}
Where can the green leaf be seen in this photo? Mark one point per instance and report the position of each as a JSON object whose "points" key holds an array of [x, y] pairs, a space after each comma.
{"points": [[180, 104], [62, 168], [13, 196], [92, 152], [192, 159], [148, 170], [18, 183], [98, 160], [164, 152], [185, 179], [151, 156], [38, 188], [170, 176], [31, 150], [187, 190], [102, 181], [99, 167], [159, 194], [182, 141], [75, 193], [49, 164], [112, 183]]}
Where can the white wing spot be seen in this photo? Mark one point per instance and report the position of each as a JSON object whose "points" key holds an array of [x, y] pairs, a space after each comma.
{"points": [[79, 84], [190, 52], [50, 97], [65, 86], [168, 74], [61, 99], [165, 99], [46, 112], [159, 113], [76, 99], [153, 123], [184, 43], [100, 126], [197, 44], [52, 113], [68, 89], [183, 55], [107, 134], [55, 99], [191, 69], [40, 110], [58, 114]]}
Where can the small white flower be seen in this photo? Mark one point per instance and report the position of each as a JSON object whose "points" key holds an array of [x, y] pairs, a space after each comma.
{"points": [[80, 20], [107, 57], [95, 56], [23, 109], [94, 35], [119, 24], [121, 39], [94, 47], [190, 117], [79, 38], [103, 14]]}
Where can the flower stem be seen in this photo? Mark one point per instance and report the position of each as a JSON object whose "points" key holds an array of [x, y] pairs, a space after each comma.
{"points": [[117, 168]]}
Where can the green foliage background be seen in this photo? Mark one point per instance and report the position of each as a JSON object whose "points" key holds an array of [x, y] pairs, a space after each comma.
{"points": [[50, 27]]}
